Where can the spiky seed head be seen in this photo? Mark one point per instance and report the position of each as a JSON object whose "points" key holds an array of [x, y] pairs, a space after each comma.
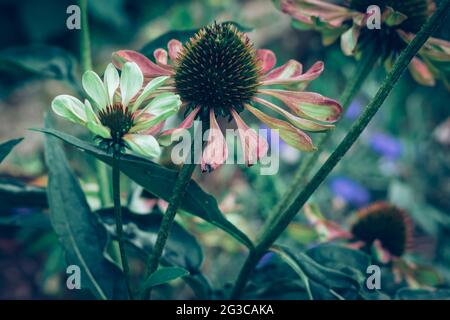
{"points": [[384, 222], [217, 69], [119, 120]]}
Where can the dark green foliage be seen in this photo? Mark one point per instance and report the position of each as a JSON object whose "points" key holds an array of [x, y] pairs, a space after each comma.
{"points": [[6, 147], [79, 231], [159, 181]]}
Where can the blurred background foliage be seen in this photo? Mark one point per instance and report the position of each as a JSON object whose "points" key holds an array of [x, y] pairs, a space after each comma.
{"points": [[403, 157]]}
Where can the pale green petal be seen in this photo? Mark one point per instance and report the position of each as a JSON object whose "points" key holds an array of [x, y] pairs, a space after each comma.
{"points": [[95, 89], [162, 102], [148, 90], [99, 129], [145, 145], [90, 114], [131, 82], [70, 108], [161, 108], [111, 81]]}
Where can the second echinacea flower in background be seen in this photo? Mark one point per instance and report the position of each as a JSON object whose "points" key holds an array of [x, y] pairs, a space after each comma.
{"points": [[399, 22], [121, 113], [218, 73]]}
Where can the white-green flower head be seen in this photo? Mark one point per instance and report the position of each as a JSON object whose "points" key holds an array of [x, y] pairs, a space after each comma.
{"points": [[119, 111]]}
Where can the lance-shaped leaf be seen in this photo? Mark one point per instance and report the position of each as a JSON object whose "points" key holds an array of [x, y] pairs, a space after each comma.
{"points": [[160, 181], [164, 275], [322, 282], [6, 147], [79, 231]]}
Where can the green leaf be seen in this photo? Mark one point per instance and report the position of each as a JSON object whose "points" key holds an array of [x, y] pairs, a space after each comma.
{"points": [[181, 35], [160, 181], [79, 231], [334, 256], [20, 64], [182, 249], [322, 282], [351, 262], [164, 275], [296, 267], [6, 147], [14, 193]]}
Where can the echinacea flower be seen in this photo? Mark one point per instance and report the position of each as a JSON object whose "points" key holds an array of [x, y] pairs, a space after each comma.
{"points": [[120, 112], [400, 20], [218, 73], [385, 232], [385, 223], [380, 228]]}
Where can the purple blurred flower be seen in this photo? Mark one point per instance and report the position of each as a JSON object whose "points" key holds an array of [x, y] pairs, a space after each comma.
{"points": [[350, 191], [386, 145], [21, 211], [265, 260], [354, 110]]}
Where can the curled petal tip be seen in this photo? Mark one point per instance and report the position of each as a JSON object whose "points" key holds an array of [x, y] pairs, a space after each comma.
{"points": [[216, 151], [175, 48], [148, 68], [267, 59]]}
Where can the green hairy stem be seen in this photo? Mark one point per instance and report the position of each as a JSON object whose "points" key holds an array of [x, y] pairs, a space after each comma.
{"points": [[273, 232]]}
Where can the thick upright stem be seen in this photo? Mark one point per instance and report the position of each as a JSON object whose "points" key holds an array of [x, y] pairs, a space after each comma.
{"points": [[271, 234], [352, 88], [184, 177], [118, 217], [86, 64]]}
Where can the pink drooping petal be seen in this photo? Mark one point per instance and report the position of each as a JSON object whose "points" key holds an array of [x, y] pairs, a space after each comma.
{"points": [[391, 17], [308, 104], [421, 73], [290, 134], [148, 68], [154, 130], [254, 146], [301, 123], [435, 49], [290, 69], [440, 44], [349, 40], [216, 152], [327, 230], [383, 255], [356, 245], [160, 56], [308, 10], [186, 124], [267, 59], [175, 48], [291, 73]]}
